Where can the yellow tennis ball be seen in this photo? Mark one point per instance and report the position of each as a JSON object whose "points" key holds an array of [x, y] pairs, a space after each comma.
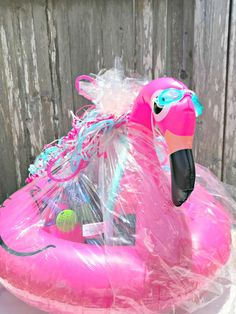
{"points": [[66, 220]]}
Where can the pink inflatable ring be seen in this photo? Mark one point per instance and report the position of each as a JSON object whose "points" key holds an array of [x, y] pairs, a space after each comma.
{"points": [[176, 249]]}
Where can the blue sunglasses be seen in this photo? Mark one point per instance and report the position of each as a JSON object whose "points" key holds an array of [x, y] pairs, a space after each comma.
{"points": [[173, 95]]}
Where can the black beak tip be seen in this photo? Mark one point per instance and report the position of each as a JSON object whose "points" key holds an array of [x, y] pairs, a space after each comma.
{"points": [[181, 197], [178, 203], [182, 175]]}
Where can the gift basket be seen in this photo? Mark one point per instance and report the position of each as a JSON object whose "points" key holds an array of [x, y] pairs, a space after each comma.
{"points": [[115, 216]]}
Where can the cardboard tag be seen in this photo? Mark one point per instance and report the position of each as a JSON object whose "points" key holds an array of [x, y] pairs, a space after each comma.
{"points": [[93, 229]]}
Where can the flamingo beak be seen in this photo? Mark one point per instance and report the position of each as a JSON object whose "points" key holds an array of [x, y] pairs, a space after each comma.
{"points": [[182, 167], [182, 175]]}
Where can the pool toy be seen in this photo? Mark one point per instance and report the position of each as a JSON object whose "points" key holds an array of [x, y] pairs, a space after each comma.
{"points": [[115, 218]]}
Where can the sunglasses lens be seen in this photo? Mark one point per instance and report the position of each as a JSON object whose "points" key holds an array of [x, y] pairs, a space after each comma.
{"points": [[169, 96], [172, 95], [198, 106]]}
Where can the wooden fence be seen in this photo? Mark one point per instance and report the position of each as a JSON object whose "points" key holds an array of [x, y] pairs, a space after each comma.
{"points": [[45, 44]]}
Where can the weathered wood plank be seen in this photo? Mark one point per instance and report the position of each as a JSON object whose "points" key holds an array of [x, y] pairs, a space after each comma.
{"points": [[118, 32], [42, 69], [12, 106], [60, 65], [8, 176], [186, 72], [229, 158], [35, 118], [209, 77], [159, 37], [99, 31], [173, 39], [85, 34], [180, 39], [144, 37]]}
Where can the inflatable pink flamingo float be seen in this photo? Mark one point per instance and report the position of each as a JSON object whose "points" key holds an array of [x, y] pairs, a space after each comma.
{"points": [[97, 229]]}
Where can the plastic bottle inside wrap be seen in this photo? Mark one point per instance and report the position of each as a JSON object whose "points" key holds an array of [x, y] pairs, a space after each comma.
{"points": [[95, 229]]}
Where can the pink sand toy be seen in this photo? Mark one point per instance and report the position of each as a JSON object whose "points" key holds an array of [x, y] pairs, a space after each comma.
{"points": [[96, 230]]}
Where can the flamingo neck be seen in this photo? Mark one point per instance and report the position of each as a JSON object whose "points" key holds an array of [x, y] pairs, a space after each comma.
{"points": [[141, 114]]}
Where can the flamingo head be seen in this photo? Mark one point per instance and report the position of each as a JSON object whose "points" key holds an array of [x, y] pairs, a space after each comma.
{"points": [[173, 108]]}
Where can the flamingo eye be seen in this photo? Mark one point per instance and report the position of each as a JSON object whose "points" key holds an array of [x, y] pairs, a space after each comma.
{"points": [[166, 98], [157, 108], [159, 105]]}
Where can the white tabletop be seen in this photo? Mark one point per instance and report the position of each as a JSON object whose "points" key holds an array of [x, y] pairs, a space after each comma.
{"points": [[11, 305]]}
